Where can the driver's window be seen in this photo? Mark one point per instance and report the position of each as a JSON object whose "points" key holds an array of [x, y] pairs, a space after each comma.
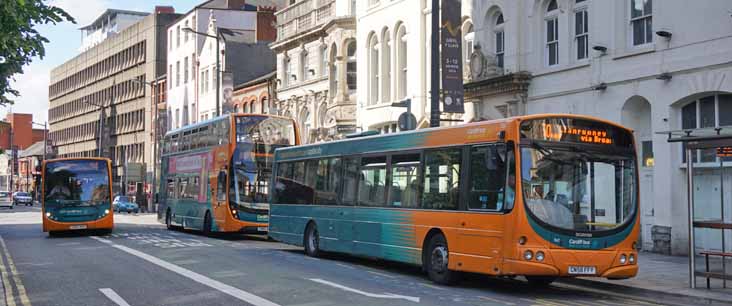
{"points": [[488, 189], [221, 185]]}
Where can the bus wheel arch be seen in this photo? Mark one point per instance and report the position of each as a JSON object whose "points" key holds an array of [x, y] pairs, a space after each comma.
{"points": [[311, 239]]}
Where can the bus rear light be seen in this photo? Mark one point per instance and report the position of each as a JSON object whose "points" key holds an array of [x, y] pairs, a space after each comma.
{"points": [[623, 259], [528, 254], [540, 256], [522, 240]]}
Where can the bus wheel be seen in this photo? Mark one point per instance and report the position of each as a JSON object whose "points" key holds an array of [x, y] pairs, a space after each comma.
{"points": [[312, 240], [207, 224], [540, 281], [437, 261]]}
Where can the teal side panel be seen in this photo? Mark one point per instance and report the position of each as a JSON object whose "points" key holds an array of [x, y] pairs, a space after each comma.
{"points": [[385, 233]]}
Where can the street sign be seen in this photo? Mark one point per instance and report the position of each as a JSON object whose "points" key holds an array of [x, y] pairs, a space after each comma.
{"points": [[407, 121]]}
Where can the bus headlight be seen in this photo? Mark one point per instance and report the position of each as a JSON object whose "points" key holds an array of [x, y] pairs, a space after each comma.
{"points": [[48, 215], [631, 258], [528, 254], [623, 259], [540, 256], [106, 211]]}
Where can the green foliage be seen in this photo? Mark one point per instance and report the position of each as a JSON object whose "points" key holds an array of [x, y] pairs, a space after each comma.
{"points": [[19, 41]]}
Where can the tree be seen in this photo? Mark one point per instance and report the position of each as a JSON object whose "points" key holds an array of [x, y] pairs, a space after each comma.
{"points": [[19, 41]]}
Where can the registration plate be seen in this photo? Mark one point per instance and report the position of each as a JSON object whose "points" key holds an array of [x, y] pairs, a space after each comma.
{"points": [[78, 227], [582, 270], [262, 229]]}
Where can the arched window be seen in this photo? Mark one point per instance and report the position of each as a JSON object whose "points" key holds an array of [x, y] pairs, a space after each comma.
{"points": [[253, 105], [708, 112], [305, 119], [551, 20], [246, 108], [500, 39], [373, 72], [333, 67], [351, 66], [468, 41], [401, 56], [386, 67]]}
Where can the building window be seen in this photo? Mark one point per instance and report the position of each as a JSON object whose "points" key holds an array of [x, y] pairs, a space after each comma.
{"points": [[177, 36], [373, 72], [468, 42], [288, 72], [177, 118], [351, 66], [641, 21], [304, 66], [185, 70], [499, 33], [170, 40], [265, 106], [205, 82], [386, 67], [201, 83], [185, 37], [581, 30], [552, 33], [401, 54], [177, 73], [708, 112], [324, 61], [170, 76]]}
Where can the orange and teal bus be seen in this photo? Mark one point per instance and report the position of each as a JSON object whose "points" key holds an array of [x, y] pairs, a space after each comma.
{"points": [[542, 196], [77, 195], [215, 174]]}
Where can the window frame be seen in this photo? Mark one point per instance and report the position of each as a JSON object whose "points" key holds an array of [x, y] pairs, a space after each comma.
{"points": [[583, 9], [697, 154], [553, 18], [642, 19]]}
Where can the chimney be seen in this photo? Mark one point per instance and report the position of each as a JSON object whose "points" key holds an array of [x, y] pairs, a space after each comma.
{"points": [[266, 24], [159, 9], [235, 4]]}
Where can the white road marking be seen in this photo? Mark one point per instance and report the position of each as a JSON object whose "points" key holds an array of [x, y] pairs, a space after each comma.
{"points": [[230, 290], [109, 293], [24, 299], [373, 295]]}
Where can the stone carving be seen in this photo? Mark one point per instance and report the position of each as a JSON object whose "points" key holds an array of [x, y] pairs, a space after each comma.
{"points": [[483, 66]]}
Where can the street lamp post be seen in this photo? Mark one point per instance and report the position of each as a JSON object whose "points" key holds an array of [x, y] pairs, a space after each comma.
{"points": [[218, 65]]}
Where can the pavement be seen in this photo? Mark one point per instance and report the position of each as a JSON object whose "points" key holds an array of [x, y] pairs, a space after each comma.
{"points": [[142, 263]]}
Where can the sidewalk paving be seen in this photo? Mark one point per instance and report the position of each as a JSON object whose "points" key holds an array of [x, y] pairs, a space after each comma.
{"points": [[667, 277]]}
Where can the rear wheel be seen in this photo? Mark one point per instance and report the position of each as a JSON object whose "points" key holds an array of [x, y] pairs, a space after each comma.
{"points": [[540, 281], [312, 240], [437, 261], [207, 224]]}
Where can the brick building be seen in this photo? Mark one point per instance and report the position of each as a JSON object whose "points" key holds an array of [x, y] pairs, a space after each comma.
{"points": [[18, 129]]}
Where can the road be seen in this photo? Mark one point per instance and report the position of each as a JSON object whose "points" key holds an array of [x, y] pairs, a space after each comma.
{"points": [[142, 263]]}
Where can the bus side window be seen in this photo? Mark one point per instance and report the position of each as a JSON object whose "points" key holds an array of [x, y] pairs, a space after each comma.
{"points": [[350, 181], [442, 179], [404, 190], [372, 181], [487, 177], [328, 177]]}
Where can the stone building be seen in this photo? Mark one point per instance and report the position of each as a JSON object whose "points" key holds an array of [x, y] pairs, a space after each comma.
{"points": [[107, 83], [316, 67]]}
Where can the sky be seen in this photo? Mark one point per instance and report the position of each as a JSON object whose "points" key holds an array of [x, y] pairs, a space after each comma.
{"points": [[65, 39]]}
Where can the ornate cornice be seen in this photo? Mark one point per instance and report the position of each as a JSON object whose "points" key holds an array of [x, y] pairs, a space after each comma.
{"points": [[505, 84]]}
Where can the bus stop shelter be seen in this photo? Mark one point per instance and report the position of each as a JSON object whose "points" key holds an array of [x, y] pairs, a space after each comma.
{"points": [[710, 149]]}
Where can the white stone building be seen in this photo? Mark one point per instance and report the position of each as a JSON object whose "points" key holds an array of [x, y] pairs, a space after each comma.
{"points": [[651, 65], [184, 49], [394, 38], [316, 67]]}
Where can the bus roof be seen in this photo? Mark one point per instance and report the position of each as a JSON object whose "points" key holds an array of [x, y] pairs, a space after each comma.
{"points": [[222, 117], [482, 131]]}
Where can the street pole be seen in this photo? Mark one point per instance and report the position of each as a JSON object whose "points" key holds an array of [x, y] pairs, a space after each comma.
{"points": [[155, 146], [435, 66], [45, 139], [218, 75]]}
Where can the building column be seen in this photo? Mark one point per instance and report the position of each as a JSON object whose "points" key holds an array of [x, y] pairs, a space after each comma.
{"points": [[342, 90]]}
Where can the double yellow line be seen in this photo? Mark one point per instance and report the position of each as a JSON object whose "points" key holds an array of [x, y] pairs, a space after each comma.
{"points": [[9, 276]]}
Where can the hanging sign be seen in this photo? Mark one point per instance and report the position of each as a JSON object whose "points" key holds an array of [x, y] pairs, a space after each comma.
{"points": [[452, 63]]}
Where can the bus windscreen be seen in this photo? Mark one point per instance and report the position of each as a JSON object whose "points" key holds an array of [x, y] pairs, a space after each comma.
{"points": [[76, 190]]}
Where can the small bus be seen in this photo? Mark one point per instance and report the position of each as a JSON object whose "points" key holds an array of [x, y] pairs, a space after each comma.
{"points": [[77, 195], [541, 196], [215, 174]]}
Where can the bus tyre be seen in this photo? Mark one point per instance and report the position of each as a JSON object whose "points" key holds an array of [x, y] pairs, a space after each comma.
{"points": [[207, 224], [312, 240], [540, 281], [437, 261]]}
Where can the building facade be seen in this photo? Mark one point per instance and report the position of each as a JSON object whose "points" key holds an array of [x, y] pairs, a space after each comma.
{"points": [[652, 66], [394, 61], [316, 67], [184, 49], [29, 163], [17, 129], [101, 95]]}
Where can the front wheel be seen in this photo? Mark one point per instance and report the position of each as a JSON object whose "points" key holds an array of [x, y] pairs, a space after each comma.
{"points": [[437, 261], [312, 241]]}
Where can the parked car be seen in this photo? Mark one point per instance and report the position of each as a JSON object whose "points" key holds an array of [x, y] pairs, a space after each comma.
{"points": [[125, 204], [21, 197], [6, 200]]}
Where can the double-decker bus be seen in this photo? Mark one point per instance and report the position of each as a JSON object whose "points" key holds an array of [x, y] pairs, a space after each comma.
{"points": [[541, 196], [215, 174], [77, 195]]}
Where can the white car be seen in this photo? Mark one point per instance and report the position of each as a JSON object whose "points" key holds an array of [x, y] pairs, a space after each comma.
{"points": [[6, 200], [21, 197]]}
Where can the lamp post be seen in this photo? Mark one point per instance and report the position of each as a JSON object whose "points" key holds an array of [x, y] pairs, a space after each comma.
{"points": [[218, 65], [152, 85]]}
